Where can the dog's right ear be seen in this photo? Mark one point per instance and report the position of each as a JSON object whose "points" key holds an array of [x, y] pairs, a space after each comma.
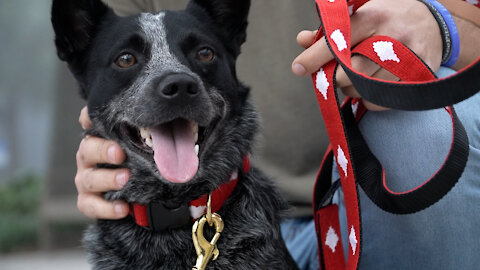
{"points": [[75, 23]]}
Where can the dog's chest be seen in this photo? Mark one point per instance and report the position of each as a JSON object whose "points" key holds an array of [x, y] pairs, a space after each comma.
{"points": [[141, 249]]}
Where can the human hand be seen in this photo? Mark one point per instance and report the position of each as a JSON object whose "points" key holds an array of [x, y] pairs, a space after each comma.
{"points": [[91, 182], [408, 21]]}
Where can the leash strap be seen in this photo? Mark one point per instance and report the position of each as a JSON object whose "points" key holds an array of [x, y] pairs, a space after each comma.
{"points": [[407, 95], [159, 216], [419, 90]]}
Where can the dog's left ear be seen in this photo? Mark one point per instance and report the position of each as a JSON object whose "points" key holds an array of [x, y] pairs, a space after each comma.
{"points": [[229, 15]]}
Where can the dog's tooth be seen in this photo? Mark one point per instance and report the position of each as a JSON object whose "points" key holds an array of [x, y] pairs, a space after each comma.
{"points": [[195, 131], [144, 133], [149, 142], [196, 148]]}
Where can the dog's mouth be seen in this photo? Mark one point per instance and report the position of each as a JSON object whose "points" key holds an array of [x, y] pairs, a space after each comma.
{"points": [[175, 147]]}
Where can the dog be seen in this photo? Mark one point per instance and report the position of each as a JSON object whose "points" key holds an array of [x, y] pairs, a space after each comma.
{"points": [[164, 87]]}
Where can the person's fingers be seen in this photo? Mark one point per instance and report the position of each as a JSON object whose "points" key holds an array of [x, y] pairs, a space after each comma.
{"points": [[380, 73], [94, 150], [370, 69], [101, 180], [305, 38], [312, 58], [95, 207], [84, 119], [350, 91], [373, 107], [384, 75], [318, 54], [90, 182], [360, 64]]}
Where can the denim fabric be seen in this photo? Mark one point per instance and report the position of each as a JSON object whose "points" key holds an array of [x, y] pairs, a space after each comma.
{"points": [[299, 236], [412, 146]]}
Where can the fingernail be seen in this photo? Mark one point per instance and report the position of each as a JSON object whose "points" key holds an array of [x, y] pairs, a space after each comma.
{"points": [[121, 179], [299, 69], [112, 152], [119, 208]]}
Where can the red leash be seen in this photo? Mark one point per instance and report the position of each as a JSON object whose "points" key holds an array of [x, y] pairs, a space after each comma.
{"points": [[419, 90]]}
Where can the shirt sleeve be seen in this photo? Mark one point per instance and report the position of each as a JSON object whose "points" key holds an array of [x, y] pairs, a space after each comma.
{"points": [[131, 7]]}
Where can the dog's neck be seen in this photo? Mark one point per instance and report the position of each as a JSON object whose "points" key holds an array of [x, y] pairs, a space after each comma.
{"points": [[158, 216]]}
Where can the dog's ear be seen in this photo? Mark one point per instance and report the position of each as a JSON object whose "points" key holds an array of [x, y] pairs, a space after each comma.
{"points": [[75, 23], [229, 15]]}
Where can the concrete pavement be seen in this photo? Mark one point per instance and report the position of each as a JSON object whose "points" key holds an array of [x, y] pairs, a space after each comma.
{"points": [[61, 260]]}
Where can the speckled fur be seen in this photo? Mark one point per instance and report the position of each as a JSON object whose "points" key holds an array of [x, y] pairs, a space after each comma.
{"points": [[251, 238]]}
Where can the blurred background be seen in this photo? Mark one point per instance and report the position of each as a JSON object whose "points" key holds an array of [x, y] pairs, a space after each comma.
{"points": [[38, 138], [40, 225]]}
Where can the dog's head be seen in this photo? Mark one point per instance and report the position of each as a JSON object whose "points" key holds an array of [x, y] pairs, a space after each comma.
{"points": [[165, 87]]}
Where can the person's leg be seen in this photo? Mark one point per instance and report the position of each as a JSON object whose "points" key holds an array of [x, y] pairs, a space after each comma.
{"points": [[299, 236]]}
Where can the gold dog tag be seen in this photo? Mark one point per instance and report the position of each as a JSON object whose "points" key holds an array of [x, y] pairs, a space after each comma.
{"points": [[206, 250]]}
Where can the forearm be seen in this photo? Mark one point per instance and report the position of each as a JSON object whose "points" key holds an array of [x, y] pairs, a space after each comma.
{"points": [[469, 42]]}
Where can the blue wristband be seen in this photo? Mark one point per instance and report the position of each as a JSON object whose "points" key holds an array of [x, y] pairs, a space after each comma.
{"points": [[452, 29]]}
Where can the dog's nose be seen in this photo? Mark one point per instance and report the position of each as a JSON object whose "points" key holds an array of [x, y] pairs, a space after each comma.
{"points": [[180, 87]]}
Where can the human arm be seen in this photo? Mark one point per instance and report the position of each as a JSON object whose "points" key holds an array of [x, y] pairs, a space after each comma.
{"points": [[467, 19], [92, 182], [469, 39]]}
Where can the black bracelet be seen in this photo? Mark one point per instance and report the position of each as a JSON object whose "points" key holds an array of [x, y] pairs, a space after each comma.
{"points": [[446, 37]]}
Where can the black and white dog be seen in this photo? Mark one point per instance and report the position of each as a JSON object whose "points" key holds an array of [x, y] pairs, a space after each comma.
{"points": [[164, 86]]}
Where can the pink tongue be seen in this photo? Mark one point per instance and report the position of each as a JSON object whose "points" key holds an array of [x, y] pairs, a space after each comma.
{"points": [[173, 144]]}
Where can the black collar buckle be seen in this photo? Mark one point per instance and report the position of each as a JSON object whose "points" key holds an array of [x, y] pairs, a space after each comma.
{"points": [[162, 217]]}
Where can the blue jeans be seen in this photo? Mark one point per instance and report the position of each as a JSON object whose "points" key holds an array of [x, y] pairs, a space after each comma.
{"points": [[299, 236], [411, 147]]}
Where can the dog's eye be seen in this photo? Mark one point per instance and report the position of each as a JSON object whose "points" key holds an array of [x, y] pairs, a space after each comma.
{"points": [[125, 60], [205, 55]]}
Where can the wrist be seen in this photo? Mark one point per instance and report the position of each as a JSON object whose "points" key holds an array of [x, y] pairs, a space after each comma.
{"points": [[448, 30]]}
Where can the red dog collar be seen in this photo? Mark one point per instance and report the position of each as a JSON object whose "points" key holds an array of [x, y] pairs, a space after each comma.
{"points": [[158, 216]]}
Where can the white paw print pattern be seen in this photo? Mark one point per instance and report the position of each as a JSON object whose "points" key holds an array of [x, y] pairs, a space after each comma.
{"points": [[234, 176], [332, 239], [322, 83], [342, 160], [197, 211], [354, 108], [385, 51], [352, 238], [339, 39]]}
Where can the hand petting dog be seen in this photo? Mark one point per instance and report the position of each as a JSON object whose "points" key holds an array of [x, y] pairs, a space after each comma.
{"points": [[91, 182]]}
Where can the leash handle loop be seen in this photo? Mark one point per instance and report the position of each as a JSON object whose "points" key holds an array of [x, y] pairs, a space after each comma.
{"points": [[405, 95]]}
